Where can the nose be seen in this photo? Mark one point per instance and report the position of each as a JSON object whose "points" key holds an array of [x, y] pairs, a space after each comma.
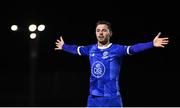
{"points": [[100, 32]]}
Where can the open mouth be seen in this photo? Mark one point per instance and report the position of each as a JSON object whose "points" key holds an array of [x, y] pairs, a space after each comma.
{"points": [[101, 37]]}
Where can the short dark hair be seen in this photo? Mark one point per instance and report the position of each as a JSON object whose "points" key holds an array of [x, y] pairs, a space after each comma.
{"points": [[104, 22]]}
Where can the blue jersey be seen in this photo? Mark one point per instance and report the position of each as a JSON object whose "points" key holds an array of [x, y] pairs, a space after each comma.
{"points": [[105, 65]]}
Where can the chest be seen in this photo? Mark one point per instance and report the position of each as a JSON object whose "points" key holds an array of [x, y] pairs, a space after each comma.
{"points": [[103, 54]]}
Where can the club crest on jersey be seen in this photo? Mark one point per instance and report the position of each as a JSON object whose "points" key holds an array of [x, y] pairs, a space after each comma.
{"points": [[98, 69], [105, 55]]}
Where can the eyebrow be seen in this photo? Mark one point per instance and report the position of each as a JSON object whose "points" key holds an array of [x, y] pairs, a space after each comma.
{"points": [[102, 29]]}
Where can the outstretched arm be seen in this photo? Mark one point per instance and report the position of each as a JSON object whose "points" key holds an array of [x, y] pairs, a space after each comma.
{"points": [[157, 42]]}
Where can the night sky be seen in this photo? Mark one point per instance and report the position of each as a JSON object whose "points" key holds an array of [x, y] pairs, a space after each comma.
{"points": [[57, 78]]}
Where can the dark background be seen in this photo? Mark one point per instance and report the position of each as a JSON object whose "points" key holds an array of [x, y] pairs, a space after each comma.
{"points": [[57, 78]]}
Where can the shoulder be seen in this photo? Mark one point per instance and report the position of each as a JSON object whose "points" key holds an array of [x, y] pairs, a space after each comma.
{"points": [[119, 46], [90, 46]]}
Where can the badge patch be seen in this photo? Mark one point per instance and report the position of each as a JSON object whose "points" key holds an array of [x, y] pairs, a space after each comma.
{"points": [[98, 69]]}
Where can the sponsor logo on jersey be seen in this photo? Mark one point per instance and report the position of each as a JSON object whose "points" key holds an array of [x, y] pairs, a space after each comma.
{"points": [[105, 55], [98, 69]]}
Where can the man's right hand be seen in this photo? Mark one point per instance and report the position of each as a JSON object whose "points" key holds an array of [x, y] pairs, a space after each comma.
{"points": [[59, 43]]}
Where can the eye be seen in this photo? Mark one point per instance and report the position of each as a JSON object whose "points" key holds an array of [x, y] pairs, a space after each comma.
{"points": [[104, 30], [97, 30]]}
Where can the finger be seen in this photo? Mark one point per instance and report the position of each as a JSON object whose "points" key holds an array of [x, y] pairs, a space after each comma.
{"points": [[158, 34], [164, 43], [57, 48], [61, 39], [166, 38], [162, 46], [58, 41], [57, 45]]}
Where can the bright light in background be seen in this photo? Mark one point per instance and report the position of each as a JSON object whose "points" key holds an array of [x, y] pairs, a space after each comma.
{"points": [[41, 27], [14, 27], [32, 27], [33, 35]]}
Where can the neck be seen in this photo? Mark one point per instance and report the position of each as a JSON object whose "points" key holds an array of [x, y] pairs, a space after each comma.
{"points": [[103, 44]]}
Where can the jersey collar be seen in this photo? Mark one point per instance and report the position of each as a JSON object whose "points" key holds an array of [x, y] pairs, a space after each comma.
{"points": [[104, 47]]}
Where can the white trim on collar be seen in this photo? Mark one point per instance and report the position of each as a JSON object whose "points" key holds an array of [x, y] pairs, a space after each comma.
{"points": [[104, 47]]}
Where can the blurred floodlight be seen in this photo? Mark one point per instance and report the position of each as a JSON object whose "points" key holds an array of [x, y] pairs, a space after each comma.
{"points": [[14, 27], [33, 35], [32, 27], [41, 27]]}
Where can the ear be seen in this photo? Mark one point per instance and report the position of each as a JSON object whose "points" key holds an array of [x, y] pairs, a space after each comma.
{"points": [[110, 33]]}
